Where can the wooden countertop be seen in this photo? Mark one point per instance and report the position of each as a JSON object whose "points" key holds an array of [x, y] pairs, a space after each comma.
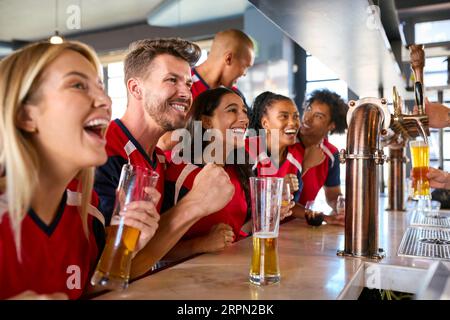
{"points": [[310, 268]]}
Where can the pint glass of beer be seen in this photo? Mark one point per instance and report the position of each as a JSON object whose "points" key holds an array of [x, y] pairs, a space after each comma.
{"points": [[420, 154], [113, 269], [266, 194]]}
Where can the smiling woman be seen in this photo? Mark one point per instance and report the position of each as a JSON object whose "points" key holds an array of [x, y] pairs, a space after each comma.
{"points": [[223, 112], [53, 118]]}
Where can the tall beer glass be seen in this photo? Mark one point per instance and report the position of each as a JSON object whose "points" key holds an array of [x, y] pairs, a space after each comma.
{"points": [[420, 154], [266, 196], [113, 269]]}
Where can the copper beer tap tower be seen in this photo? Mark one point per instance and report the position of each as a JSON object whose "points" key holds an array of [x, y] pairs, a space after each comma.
{"points": [[370, 128]]}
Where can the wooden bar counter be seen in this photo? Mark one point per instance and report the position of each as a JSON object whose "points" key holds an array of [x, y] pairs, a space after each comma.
{"points": [[310, 268]]}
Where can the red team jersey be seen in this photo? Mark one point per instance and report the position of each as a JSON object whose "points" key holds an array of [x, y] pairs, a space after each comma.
{"points": [[123, 148], [54, 258], [263, 166], [325, 173], [198, 84], [179, 180]]}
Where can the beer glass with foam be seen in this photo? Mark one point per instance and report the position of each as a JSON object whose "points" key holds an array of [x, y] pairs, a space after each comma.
{"points": [[420, 155], [113, 268], [266, 194]]}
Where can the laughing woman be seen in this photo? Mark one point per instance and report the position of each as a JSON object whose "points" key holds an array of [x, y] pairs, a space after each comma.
{"points": [[53, 116], [221, 113], [278, 115]]}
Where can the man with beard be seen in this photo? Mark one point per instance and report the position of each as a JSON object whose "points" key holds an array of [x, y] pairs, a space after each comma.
{"points": [[232, 53], [158, 81]]}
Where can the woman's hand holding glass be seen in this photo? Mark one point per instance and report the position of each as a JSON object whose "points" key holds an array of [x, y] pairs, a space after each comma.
{"points": [[143, 216], [287, 202]]}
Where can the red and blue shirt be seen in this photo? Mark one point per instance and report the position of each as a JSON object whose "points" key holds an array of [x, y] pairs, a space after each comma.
{"points": [[53, 258], [326, 173], [264, 166], [179, 181], [123, 148], [199, 85]]}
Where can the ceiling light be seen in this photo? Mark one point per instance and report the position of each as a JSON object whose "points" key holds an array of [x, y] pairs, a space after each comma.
{"points": [[56, 38]]}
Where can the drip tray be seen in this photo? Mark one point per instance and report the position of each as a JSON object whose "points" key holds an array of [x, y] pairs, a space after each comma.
{"points": [[437, 220], [426, 242]]}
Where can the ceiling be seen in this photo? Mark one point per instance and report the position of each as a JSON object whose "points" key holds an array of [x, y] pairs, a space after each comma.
{"points": [[336, 32], [370, 55], [28, 20]]}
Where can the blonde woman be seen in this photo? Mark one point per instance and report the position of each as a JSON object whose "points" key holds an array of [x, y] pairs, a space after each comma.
{"points": [[53, 117]]}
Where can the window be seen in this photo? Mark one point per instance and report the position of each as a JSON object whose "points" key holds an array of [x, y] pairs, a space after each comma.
{"points": [[116, 89], [435, 31], [319, 76], [435, 72], [269, 76]]}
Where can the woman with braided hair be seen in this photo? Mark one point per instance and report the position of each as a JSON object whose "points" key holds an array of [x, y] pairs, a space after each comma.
{"points": [[277, 117]]}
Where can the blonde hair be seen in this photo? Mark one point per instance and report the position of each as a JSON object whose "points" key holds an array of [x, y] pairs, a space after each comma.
{"points": [[20, 77]]}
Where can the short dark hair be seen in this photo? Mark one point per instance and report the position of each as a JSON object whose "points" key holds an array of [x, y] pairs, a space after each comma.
{"points": [[142, 52], [338, 108]]}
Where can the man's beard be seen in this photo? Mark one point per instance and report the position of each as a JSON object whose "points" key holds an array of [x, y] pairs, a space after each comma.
{"points": [[159, 110]]}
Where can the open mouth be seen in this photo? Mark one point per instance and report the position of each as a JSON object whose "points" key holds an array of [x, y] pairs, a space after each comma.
{"points": [[290, 132], [96, 127], [179, 107], [238, 131]]}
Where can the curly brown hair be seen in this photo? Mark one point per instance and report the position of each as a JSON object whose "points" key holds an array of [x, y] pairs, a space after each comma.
{"points": [[338, 108], [142, 52]]}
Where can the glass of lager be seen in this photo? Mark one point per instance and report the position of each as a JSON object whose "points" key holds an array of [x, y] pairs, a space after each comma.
{"points": [[113, 268], [266, 194], [420, 154]]}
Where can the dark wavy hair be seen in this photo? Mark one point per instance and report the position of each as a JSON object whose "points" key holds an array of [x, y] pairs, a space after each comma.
{"points": [[260, 106], [338, 108], [204, 105]]}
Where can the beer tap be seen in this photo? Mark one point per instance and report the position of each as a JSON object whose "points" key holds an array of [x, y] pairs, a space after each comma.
{"points": [[370, 124], [367, 118], [397, 158], [405, 127]]}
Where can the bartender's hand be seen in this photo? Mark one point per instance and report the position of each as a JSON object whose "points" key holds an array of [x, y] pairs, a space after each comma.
{"points": [[219, 237], [438, 114], [211, 191], [438, 179]]}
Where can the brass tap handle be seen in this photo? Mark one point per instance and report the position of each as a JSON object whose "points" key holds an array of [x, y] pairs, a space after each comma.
{"points": [[397, 103], [342, 156], [418, 93], [417, 57]]}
